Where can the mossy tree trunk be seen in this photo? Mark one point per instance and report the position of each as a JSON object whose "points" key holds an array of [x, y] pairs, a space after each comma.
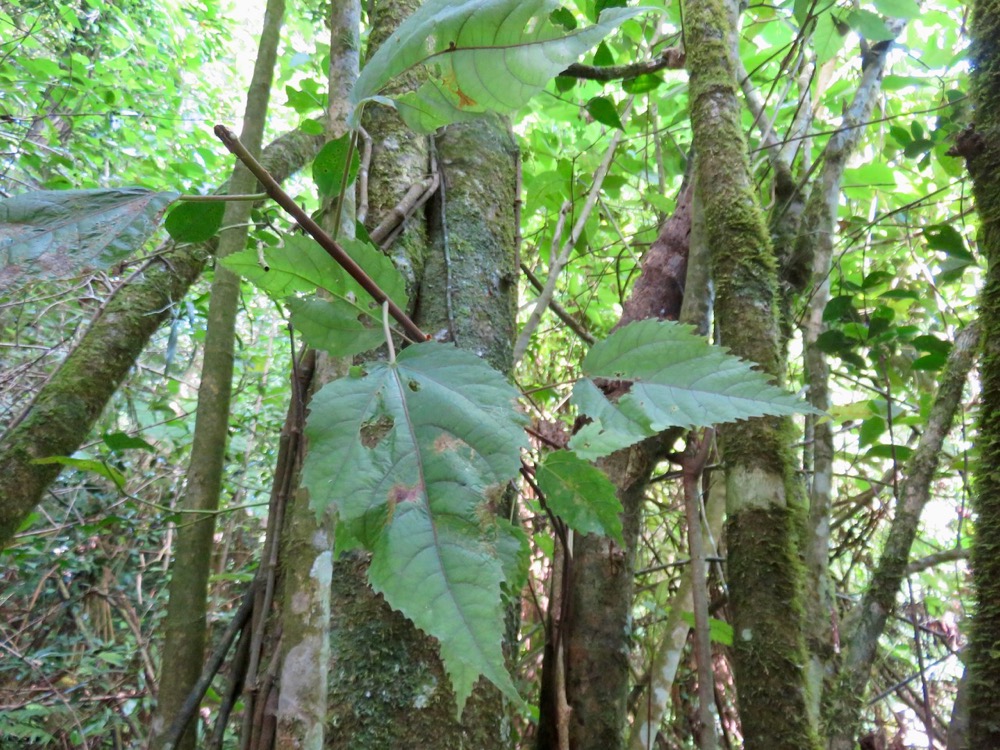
{"points": [[387, 686], [764, 502], [64, 411], [981, 148]]}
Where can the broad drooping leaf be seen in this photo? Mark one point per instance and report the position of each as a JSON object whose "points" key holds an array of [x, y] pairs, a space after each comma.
{"points": [[479, 55], [676, 379], [57, 233], [350, 322], [414, 456], [580, 494]]}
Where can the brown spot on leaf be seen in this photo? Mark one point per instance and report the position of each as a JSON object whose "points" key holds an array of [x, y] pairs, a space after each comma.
{"points": [[446, 442], [400, 493], [373, 430]]}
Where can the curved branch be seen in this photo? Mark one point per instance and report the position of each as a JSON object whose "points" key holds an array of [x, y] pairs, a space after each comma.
{"points": [[670, 59]]}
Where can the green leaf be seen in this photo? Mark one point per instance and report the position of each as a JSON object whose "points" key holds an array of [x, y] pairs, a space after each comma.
{"points": [[930, 362], [564, 17], [612, 426], [580, 494], [86, 464], [195, 221], [351, 322], [899, 452], [869, 25], [480, 56], [871, 430], [898, 8], [828, 38], [120, 442], [642, 84], [603, 110], [719, 631], [311, 127], [677, 379], [413, 456], [57, 233], [333, 326], [949, 240], [307, 98], [602, 56], [328, 166]]}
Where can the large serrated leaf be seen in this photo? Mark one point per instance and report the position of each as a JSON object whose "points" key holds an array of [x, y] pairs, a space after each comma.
{"points": [[677, 379], [350, 322], [412, 456], [480, 55], [580, 494], [57, 233]]}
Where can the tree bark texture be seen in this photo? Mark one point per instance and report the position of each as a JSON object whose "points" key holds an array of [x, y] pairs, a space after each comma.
{"points": [[61, 416], [595, 625], [387, 685], [764, 501], [981, 147], [306, 552], [185, 622]]}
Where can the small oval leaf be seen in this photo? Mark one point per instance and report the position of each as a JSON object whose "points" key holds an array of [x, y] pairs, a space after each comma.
{"points": [[195, 221]]}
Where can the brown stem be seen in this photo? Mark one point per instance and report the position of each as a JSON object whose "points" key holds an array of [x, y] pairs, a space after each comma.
{"points": [[283, 199]]}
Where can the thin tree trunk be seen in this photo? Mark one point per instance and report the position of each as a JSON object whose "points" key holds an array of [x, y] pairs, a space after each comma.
{"points": [[596, 619], [764, 501], [981, 148], [307, 541], [184, 624], [867, 621]]}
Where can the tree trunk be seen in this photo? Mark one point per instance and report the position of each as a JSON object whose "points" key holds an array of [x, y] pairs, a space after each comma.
{"points": [[184, 625], [62, 414], [981, 147], [388, 688], [763, 498]]}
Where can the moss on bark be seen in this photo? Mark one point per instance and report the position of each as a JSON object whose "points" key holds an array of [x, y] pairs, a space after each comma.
{"points": [[61, 416], [387, 685], [764, 500], [982, 151]]}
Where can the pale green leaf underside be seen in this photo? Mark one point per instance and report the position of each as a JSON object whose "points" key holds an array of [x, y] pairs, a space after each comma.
{"points": [[480, 55], [677, 380], [57, 233], [350, 322], [580, 494], [407, 455]]}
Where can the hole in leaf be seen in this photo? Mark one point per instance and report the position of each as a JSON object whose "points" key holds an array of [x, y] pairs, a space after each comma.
{"points": [[374, 430], [413, 385]]}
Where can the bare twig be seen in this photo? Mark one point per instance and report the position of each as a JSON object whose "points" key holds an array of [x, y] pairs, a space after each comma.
{"points": [[560, 260], [283, 199], [572, 323]]}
